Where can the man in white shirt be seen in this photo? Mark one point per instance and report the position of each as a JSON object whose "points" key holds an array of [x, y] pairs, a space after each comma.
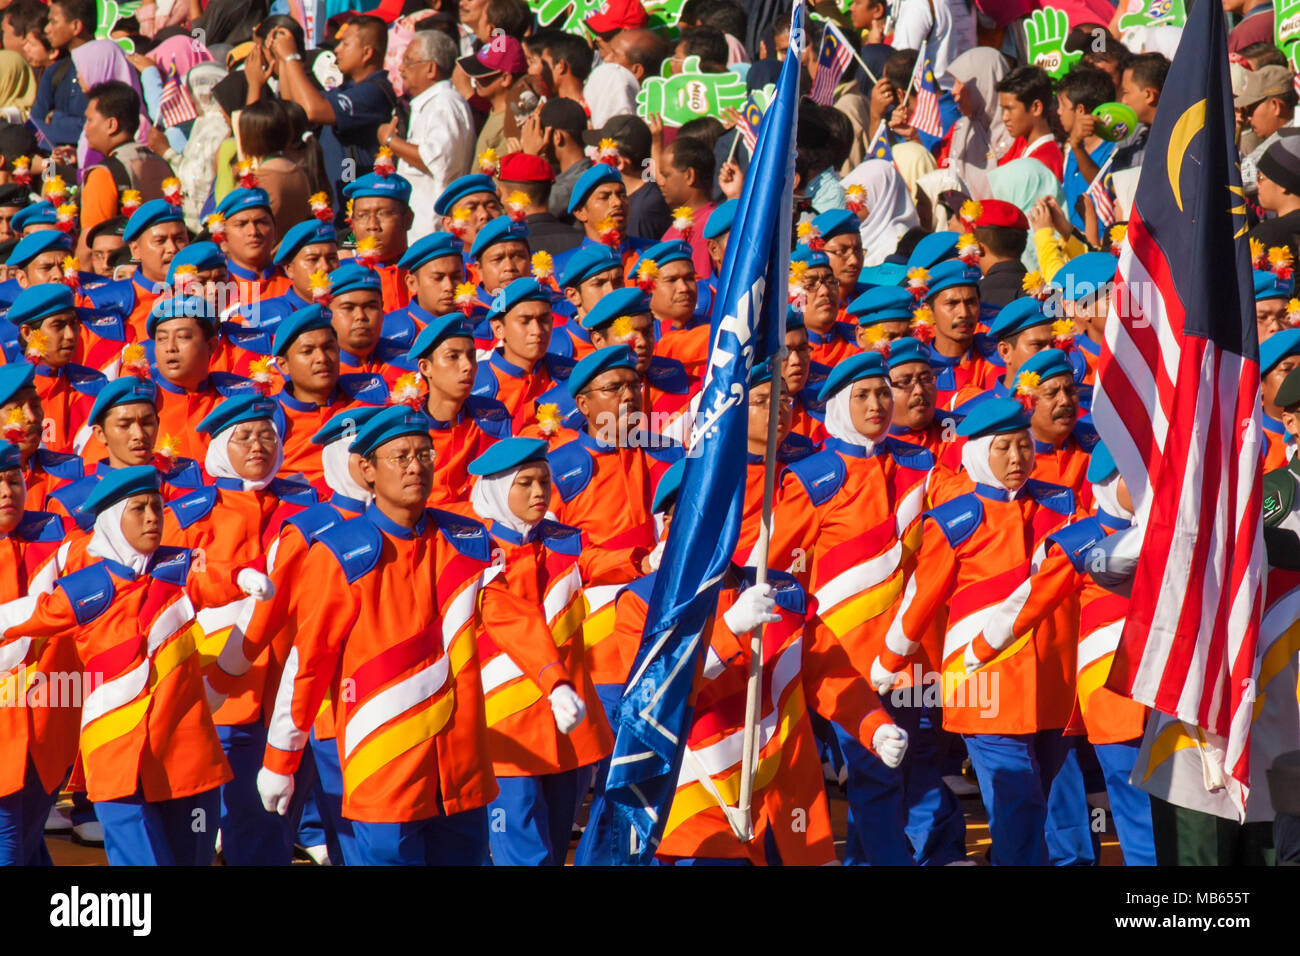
{"points": [[439, 143], [945, 29]]}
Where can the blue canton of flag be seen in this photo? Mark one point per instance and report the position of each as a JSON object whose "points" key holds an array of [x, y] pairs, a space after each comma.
{"points": [[880, 148], [748, 326], [750, 118]]}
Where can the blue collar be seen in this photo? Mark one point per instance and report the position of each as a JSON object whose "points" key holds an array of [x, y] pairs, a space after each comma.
{"points": [[991, 493], [511, 536], [167, 386], [1046, 447], [239, 272], [850, 450], [938, 358], [1087, 344], [122, 571], [390, 527], [353, 361], [514, 371], [417, 311], [298, 405], [589, 442], [837, 333], [1274, 425], [295, 300], [1109, 520], [153, 288], [344, 503], [437, 424], [230, 484]]}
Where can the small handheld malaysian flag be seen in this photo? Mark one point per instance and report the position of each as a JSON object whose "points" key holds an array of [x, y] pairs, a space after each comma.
{"points": [[925, 114], [880, 148], [175, 106], [750, 116], [1103, 199], [832, 60]]}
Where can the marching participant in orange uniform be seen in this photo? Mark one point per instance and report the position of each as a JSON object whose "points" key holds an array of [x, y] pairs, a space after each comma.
{"points": [[412, 737], [1278, 356], [599, 203], [502, 254], [1086, 283], [357, 310], [307, 354], [39, 733], [1114, 724], [589, 276], [667, 272], [235, 521], [535, 685], [21, 423], [245, 230], [883, 314], [916, 395], [435, 267], [521, 370], [947, 321], [461, 425], [151, 755], [802, 381], [156, 233], [816, 295], [466, 206], [380, 212], [977, 549], [1062, 441]]}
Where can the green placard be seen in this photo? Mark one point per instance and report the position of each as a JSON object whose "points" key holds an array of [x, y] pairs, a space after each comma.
{"points": [[1286, 28], [1153, 13], [572, 13], [690, 94], [1045, 33], [107, 13]]}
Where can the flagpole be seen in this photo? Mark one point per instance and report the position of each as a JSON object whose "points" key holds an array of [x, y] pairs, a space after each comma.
{"points": [[920, 62], [1102, 172], [731, 153], [865, 69]]}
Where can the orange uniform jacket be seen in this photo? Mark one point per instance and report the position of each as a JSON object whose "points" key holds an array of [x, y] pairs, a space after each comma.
{"points": [[66, 408], [297, 421], [517, 389], [835, 346], [1278, 444], [480, 423], [689, 345], [794, 448], [180, 410], [392, 286], [48, 471]]}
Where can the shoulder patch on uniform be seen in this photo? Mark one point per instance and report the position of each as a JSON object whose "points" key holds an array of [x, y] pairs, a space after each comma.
{"points": [[909, 455], [356, 545], [796, 447], [310, 522], [1279, 495], [1077, 539], [364, 387], [1057, 498], [485, 381], [1085, 433], [293, 489], [572, 469], [821, 474], [72, 496], [559, 366], [562, 538], [90, 591], [185, 473], [40, 526], [668, 375], [194, 506], [490, 415], [61, 465], [228, 383], [171, 565], [958, 518], [466, 535]]}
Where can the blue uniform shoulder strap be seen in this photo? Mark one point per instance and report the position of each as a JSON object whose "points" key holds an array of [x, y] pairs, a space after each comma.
{"points": [[1077, 539], [1058, 498], [821, 474], [665, 450], [171, 565], [310, 522], [909, 455], [786, 589], [85, 380], [90, 591], [193, 507], [73, 496], [39, 526], [572, 468], [561, 538], [485, 381], [294, 490], [1085, 433], [61, 465], [558, 366], [959, 518], [185, 473], [364, 387], [668, 375], [795, 448], [356, 545], [466, 535], [489, 415], [229, 384], [643, 586]]}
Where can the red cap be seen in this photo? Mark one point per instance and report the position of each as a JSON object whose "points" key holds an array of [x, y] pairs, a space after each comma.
{"points": [[501, 54], [525, 168], [618, 15], [997, 212]]}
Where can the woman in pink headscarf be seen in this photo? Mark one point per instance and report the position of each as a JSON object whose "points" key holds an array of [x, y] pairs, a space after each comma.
{"points": [[181, 51], [98, 62]]}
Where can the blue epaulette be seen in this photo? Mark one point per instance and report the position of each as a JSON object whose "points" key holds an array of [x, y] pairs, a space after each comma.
{"points": [[1057, 498], [85, 380], [958, 518], [485, 381], [61, 465], [489, 415], [1085, 393], [968, 406], [948, 419], [1079, 364], [909, 455], [668, 375], [572, 469], [171, 565], [558, 366], [666, 450], [795, 448], [1085, 433], [821, 475], [786, 589], [399, 328], [364, 387], [356, 545], [186, 473], [393, 354], [90, 591], [193, 507], [39, 526], [945, 378], [117, 297], [563, 538], [105, 325], [1077, 540], [312, 522], [987, 347], [72, 496], [229, 384], [558, 395], [294, 489], [251, 338], [466, 535], [561, 347]]}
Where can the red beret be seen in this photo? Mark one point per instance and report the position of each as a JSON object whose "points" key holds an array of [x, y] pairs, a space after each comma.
{"points": [[996, 212], [526, 168]]}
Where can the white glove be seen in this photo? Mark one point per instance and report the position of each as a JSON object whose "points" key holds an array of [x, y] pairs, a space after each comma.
{"points": [[215, 698], [657, 554], [753, 607], [881, 679], [567, 708], [889, 743], [255, 584], [275, 789]]}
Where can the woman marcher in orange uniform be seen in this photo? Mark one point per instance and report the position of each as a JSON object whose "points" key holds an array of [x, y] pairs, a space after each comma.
{"points": [[535, 684], [152, 758]]}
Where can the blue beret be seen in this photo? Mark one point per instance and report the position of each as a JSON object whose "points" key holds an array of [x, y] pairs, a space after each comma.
{"points": [[598, 363], [761, 373], [520, 290], [307, 319], [201, 255], [500, 229], [1101, 463], [853, 369], [794, 320], [887, 273], [1018, 315], [239, 200], [153, 213], [1277, 347], [951, 273], [458, 189], [352, 276], [1267, 286], [122, 483], [14, 377], [235, 411], [1084, 275], [430, 247], [506, 454], [40, 213], [994, 416], [388, 424], [628, 300], [385, 187], [588, 261], [309, 232], [345, 423], [669, 485], [37, 303], [813, 258], [1047, 364], [907, 349], [720, 219], [664, 253], [31, 246], [10, 456], [181, 307], [837, 222], [451, 325], [127, 390], [933, 249], [598, 175], [882, 303]]}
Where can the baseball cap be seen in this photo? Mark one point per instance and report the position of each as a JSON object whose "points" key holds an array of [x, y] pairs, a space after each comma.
{"points": [[565, 114], [502, 54], [614, 15], [1261, 84], [630, 133]]}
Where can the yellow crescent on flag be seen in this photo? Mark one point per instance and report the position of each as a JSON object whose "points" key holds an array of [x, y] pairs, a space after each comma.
{"points": [[1189, 124]]}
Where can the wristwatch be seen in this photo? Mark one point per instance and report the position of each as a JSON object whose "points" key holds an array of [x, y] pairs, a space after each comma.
{"points": [[389, 140], [294, 56]]}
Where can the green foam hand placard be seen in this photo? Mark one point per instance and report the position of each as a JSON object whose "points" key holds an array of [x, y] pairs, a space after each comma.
{"points": [[1153, 13], [572, 13], [690, 94], [107, 13], [1045, 33], [1286, 28]]}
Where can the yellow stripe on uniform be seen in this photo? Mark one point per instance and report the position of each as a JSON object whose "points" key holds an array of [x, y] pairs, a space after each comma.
{"points": [[123, 720], [520, 695], [383, 748], [598, 627], [864, 607]]}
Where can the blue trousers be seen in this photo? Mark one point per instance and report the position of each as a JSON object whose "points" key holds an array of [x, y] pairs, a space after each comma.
{"points": [[1130, 807], [458, 840], [22, 823], [877, 817], [935, 825], [1018, 776], [249, 835], [596, 847], [531, 820], [179, 832], [328, 793]]}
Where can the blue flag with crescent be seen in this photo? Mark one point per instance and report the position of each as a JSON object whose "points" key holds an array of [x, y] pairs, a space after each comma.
{"points": [[748, 325]]}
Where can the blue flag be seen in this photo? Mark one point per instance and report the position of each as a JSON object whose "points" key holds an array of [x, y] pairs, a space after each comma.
{"points": [[879, 147], [748, 325]]}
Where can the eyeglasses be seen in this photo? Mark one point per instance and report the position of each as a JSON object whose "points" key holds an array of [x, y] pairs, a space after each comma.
{"points": [[379, 215], [402, 462], [924, 379], [609, 391], [811, 283], [265, 439]]}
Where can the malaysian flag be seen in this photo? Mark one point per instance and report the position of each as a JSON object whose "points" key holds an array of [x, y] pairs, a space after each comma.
{"points": [[175, 107], [832, 60], [925, 114], [1103, 199], [750, 116], [880, 148], [1177, 403]]}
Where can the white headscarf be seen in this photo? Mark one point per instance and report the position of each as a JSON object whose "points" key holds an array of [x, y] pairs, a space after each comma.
{"points": [[839, 421], [490, 499], [109, 542], [890, 212], [335, 457], [217, 462], [975, 459], [610, 91], [1106, 494]]}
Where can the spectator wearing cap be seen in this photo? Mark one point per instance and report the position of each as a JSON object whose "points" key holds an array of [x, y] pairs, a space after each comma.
{"points": [[648, 216], [531, 176], [435, 267], [249, 245], [493, 71], [381, 220], [1266, 104], [437, 144], [599, 203], [13, 199], [685, 178], [563, 124], [350, 114], [1002, 232], [1279, 193], [104, 240], [155, 233], [1078, 93], [640, 52], [467, 205]]}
